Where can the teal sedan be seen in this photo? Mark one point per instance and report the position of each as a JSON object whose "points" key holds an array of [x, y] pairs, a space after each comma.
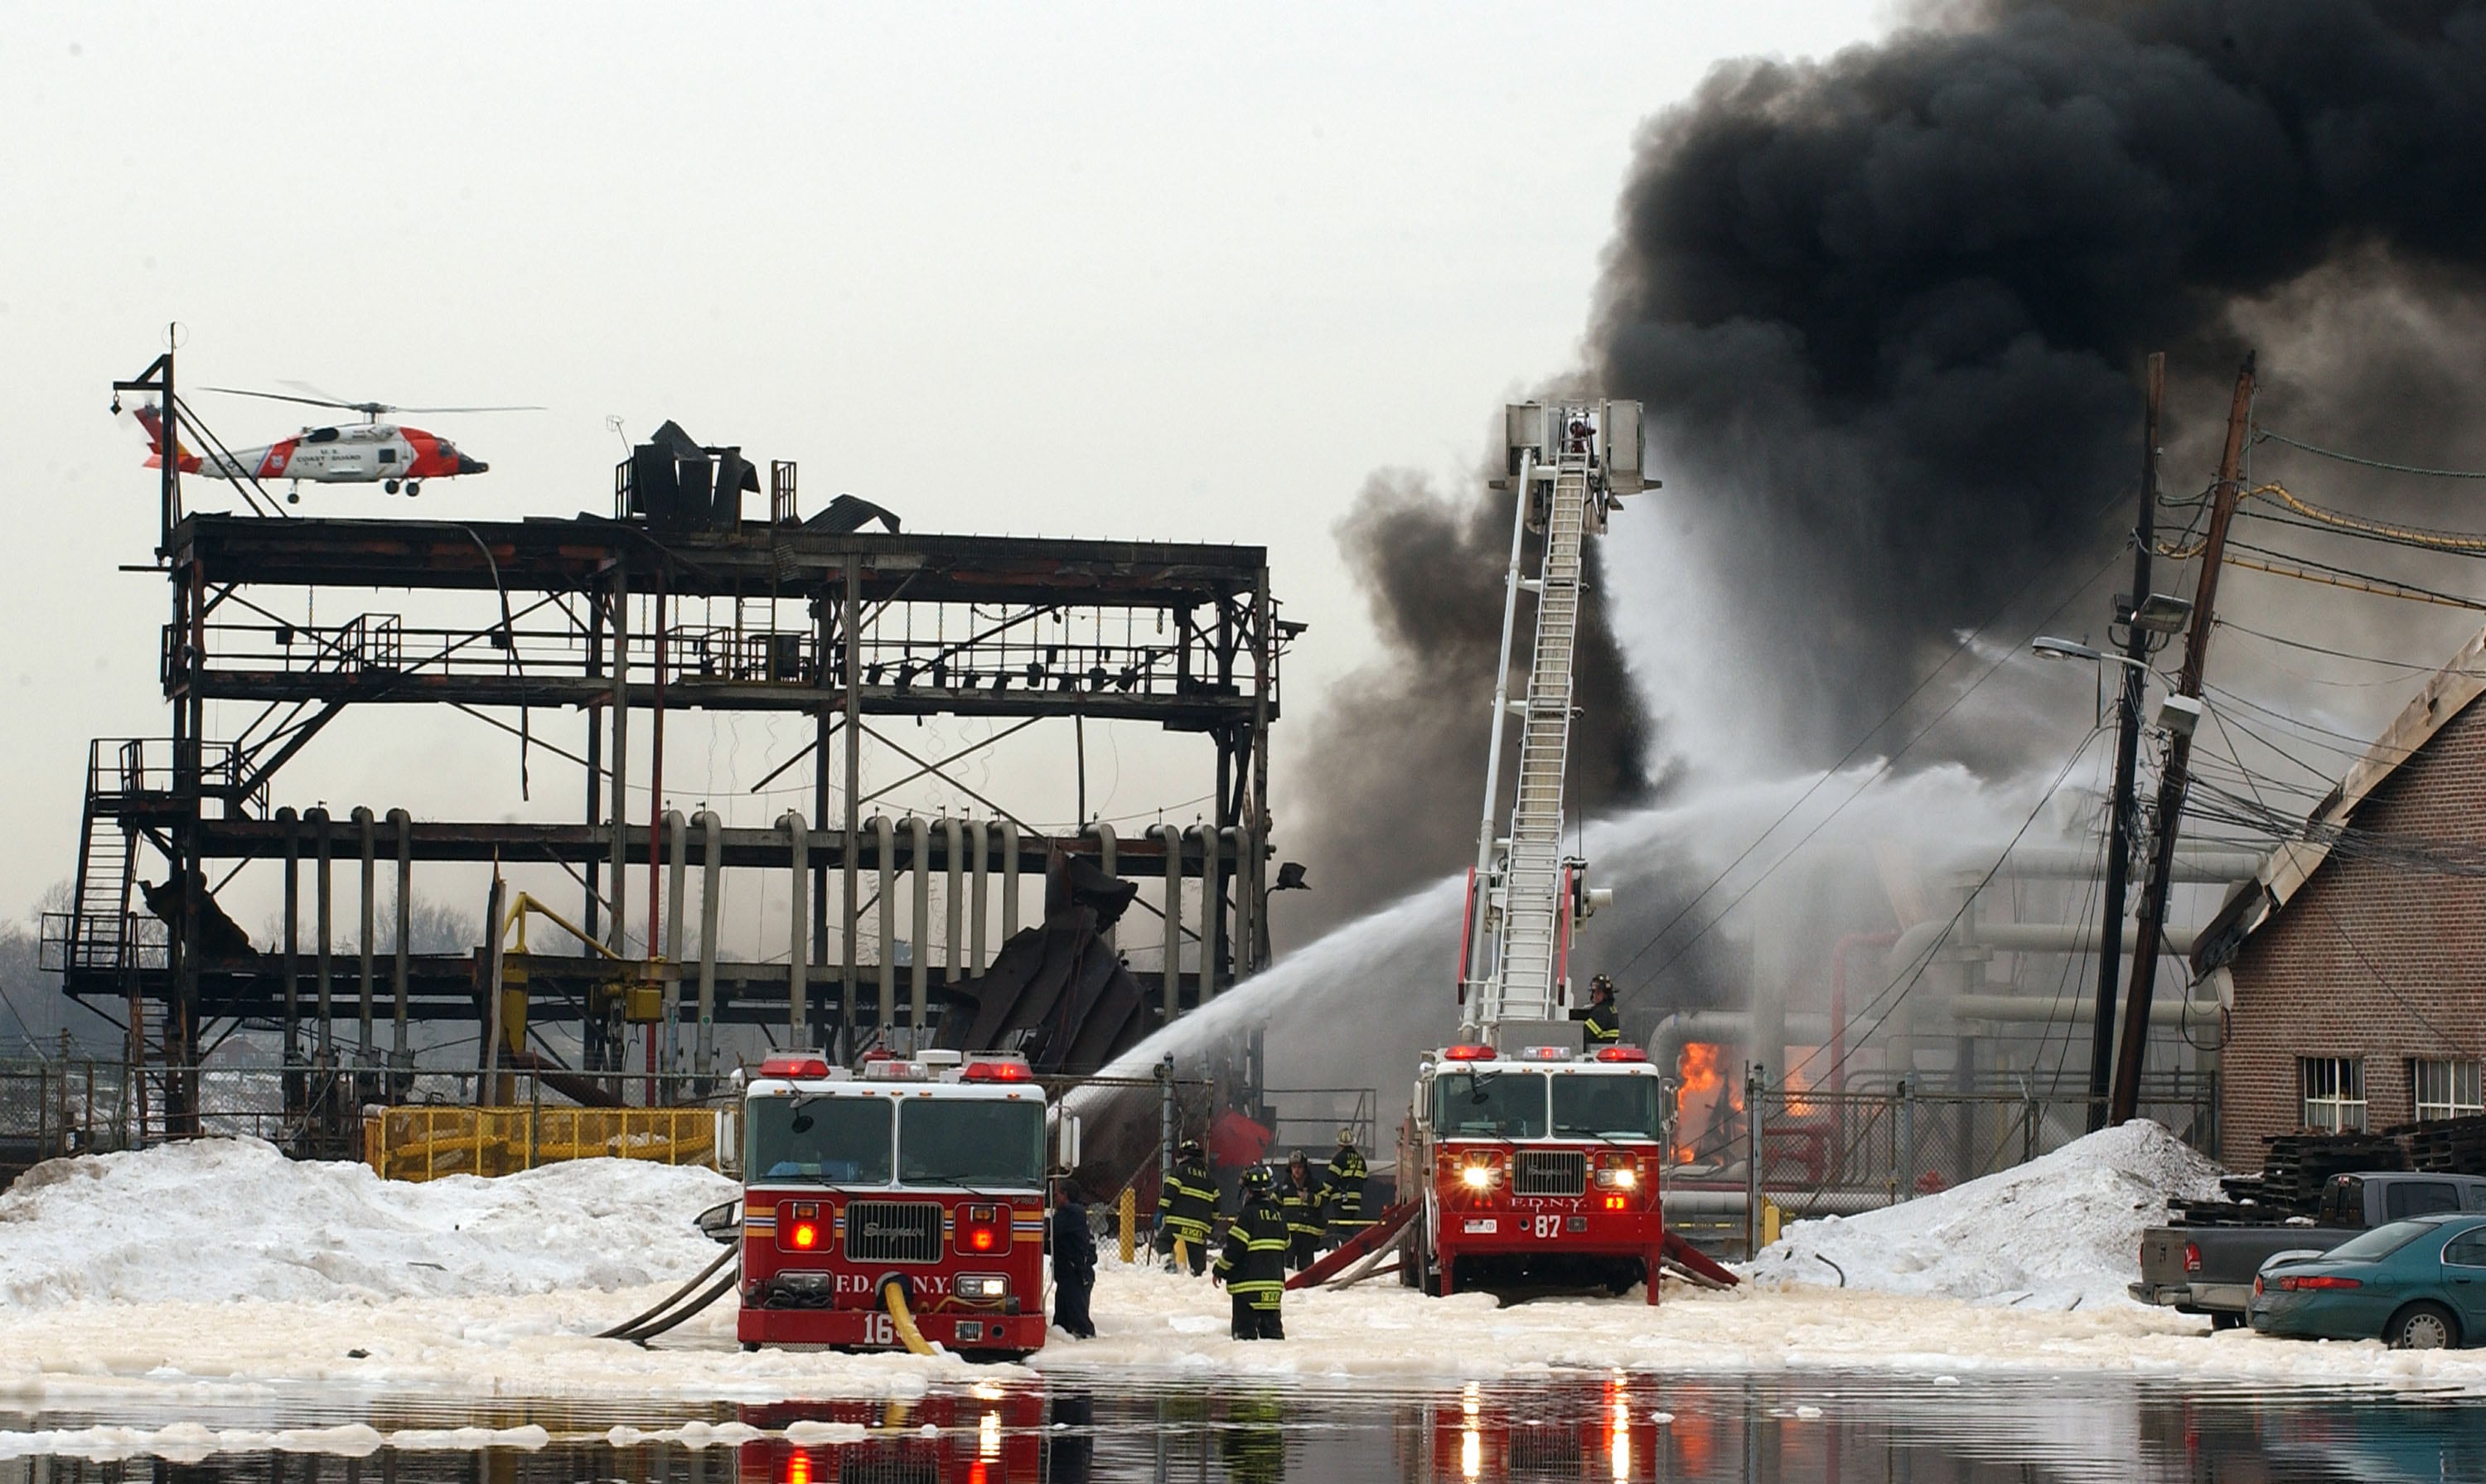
{"points": [[2417, 1284]]}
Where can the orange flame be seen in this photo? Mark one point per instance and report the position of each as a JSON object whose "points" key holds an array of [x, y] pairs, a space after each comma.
{"points": [[1700, 1084]]}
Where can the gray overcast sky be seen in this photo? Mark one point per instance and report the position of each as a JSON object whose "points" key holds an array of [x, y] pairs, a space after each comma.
{"points": [[1160, 272]]}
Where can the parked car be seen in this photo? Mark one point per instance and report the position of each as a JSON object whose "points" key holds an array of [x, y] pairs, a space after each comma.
{"points": [[2209, 1270], [2417, 1284]]}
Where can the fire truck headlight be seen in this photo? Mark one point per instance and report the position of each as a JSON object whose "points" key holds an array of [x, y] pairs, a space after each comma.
{"points": [[1476, 1177], [982, 1286], [1625, 1178]]}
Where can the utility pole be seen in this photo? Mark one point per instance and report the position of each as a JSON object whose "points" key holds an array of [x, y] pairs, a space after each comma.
{"points": [[2179, 754], [2127, 750]]}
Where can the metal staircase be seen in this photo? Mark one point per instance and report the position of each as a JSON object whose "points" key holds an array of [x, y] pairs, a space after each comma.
{"points": [[100, 939], [1569, 465]]}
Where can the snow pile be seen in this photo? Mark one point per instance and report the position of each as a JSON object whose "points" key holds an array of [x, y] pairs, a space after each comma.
{"points": [[223, 1220], [2061, 1230]]}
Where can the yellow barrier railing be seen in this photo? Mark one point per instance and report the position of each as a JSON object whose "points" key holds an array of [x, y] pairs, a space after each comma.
{"points": [[427, 1143]]}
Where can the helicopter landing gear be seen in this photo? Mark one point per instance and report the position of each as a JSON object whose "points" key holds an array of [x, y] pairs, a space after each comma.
{"points": [[413, 487], [389, 485]]}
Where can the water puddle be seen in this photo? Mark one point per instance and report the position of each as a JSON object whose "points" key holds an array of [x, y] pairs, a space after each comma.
{"points": [[1837, 1428]]}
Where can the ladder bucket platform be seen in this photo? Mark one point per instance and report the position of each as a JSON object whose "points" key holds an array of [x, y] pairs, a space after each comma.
{"points": [[1363, 1244]]}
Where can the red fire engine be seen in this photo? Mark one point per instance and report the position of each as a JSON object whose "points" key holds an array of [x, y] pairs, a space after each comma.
{"points": [[1537, 1167], [1537, 1164], [901, 1207]]}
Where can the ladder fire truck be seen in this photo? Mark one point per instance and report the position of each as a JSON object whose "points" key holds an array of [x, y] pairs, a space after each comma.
{"points": [[1524, 1161], [901, 1207]]}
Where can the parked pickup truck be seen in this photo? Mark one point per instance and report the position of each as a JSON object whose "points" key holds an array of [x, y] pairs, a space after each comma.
{"points": [[2209, 1270]]}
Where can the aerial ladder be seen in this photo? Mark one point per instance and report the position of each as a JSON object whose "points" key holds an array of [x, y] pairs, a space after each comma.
{"points": [[1569, 465]]}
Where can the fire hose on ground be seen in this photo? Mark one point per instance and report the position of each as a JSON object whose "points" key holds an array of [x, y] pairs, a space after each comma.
{"points": [[644, 1327]]}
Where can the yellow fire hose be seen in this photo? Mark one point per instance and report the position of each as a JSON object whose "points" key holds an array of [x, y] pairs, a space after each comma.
{"points": [[893, 1297]]}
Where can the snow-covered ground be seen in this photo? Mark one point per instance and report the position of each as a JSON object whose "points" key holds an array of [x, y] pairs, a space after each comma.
{"points": [[2062, 1231], [221, 1272], [234, 1219]]}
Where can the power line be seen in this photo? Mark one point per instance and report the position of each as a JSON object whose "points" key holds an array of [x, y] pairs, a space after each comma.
{"points": [[2266, 436], [2340, 655]]}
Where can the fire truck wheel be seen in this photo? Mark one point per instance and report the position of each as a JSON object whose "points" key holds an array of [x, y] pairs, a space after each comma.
{"points": [[750, 1345]]}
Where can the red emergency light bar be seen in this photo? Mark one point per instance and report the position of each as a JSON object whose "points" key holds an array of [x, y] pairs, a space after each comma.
{"points": [[1621, 1054], [791, 1064], [1468, 1053], [997, 1069]]}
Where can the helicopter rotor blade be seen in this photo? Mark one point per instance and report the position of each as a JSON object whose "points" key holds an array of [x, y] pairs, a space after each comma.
{"points": [[280, 397], [321, 394], [527, 408]]}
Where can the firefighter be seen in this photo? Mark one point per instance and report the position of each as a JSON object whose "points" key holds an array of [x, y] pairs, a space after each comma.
{"points": [[1299, 1198], [1253, 1266], [1190, 1204], [1074, 1266], [1342, 1191], [1604, 1020]]}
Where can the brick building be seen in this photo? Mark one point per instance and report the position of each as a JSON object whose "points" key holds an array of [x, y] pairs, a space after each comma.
{"points": [[2357, 955]]}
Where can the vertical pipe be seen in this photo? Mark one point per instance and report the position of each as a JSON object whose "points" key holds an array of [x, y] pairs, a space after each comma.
{"points": [[401, 1048], [798, 979], [919, 852], [1169, 994], [364, 1047], [711, 871], [981, 835], [953, 846], [678, 870], [321, 888], [1264, 691], [1009, 880], [494, 934], [884, 845], [1108, 850], [1245, 926], [618, 938], [290, 823], [851, 623], [1211, 911]]}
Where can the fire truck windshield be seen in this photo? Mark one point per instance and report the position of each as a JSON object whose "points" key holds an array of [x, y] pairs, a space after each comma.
{"points": [[1587, 1104], [833, 1141], [1489, 1105], [979, 1141]]}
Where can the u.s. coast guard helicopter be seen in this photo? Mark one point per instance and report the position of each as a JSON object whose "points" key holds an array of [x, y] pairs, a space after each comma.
{"points": [[371, 452]]}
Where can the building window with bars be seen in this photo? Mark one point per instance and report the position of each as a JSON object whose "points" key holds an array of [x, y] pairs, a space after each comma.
{"points": [[2334, 1092], [2445, 1089]]}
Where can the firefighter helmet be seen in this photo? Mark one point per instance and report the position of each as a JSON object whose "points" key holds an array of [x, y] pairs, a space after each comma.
{"points": [[1258, 1178], [1346, 1138], [1188, 1149], [1601, 985]]}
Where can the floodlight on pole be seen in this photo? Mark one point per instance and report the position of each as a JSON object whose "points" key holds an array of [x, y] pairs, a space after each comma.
{"points": [[2047, 648]]}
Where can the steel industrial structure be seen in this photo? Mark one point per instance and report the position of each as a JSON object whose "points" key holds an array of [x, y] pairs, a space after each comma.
{"points": [[595, 616]]}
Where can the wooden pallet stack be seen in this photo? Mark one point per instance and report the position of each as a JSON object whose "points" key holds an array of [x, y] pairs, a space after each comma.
{"points": [[2447, 1146], [2297, 1168], [2299, 1164]]}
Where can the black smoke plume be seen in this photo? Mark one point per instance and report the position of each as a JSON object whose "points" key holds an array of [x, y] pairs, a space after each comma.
{"points": [[1887, 311], [1392, 798]]}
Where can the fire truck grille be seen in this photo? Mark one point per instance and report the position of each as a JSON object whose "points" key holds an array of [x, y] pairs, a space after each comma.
{"points": [[894, 1231], [1549, 1173]]}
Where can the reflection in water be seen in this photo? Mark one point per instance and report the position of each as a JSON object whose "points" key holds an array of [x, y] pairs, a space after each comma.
{"points": [[1071, 1429]]}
